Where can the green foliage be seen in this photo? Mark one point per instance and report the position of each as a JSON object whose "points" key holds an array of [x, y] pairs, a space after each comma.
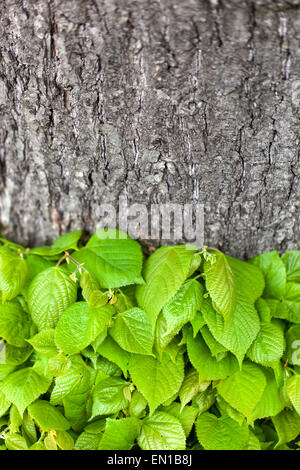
{"points": [[190, 349]]}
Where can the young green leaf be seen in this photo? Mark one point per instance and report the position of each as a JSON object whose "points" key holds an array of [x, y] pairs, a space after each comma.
{"points": [[268, 346], [47, 417], [190, 387], [270, 403], [88, 285], [77, 380], [113, 258], [241, 329], [120, 434], [112, 351], [156, 379], [50, 293], [44, 343], [161, 431], [14, 324], [244, 388], [208, 367], [79, 325], [287, 425], [132, 330], [179, 310], [16, 442], [65, 242], [109, 397], [186, 415], [221, 433], [137, 405], [289, 306], [23, 387], [4, 404], [220, 283], [293, 391], [164, 272], [274, 272], [13, 273], [87, 441], [291, 261]]}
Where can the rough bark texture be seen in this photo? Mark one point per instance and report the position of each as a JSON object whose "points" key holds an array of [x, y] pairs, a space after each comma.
{"points": [[167, 100]]}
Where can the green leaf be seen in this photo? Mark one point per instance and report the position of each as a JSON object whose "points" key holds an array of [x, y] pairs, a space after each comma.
{"points": [[13, 273], [263, 310], [47, 417], [24, 386], [36, 265], [221, 433], [15, 419], [79, 325], [190, 387], [16, 356], [268, 346], [291, 261], [44, 343], [108, 397], [29, 429], [179, 310], [204, 400], [16, 442], [156, 379], [270, 403], [98, 299], [186, 415], [14, 324], [64, 440], [112, 351], [87, 441], [293, 391], [216, 348], [161, 431], [88, 285], [58, 365], [75, 409], [65, 242], [113, 258], [244, 388], [50, 293], [226, 409], [241, 329], [274, 273], [289, 306], [197, 323], [120, 434], [164, 272], [287, 425], [4, 404], [137, 405], [208, 367], [75, 381], [220, 283], [249, 279], [132, 330]]}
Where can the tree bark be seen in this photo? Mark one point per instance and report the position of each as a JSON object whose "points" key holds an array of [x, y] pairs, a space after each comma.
{"points": [[165, 100]]}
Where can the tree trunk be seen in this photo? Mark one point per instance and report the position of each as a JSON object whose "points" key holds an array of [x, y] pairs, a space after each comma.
{"points": [[163, 100]]}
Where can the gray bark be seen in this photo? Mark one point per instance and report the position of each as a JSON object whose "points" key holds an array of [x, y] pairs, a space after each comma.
{"points": [[167, 100]]}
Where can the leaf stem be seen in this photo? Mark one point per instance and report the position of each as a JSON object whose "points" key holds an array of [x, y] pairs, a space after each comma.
{"points": [[67, 257]]}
